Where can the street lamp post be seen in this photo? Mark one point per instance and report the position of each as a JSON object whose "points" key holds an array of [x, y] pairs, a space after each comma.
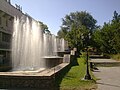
{"points": [[87, 76]]}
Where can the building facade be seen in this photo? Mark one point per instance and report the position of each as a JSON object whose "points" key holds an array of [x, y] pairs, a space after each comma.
{"points": [[7, 14]]}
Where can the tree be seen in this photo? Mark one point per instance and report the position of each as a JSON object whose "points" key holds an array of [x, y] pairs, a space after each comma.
{"points": [[116, 17], [107, 39], [79, 19], [44, 27], [62, 33], [97, 39], [75, 25]]}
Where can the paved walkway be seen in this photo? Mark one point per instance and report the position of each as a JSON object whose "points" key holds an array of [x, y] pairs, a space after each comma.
{"points": [[109, 77]]}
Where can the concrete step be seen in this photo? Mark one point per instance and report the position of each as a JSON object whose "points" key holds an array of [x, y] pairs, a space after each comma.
{"points": [[99, 57], [104, 63]]}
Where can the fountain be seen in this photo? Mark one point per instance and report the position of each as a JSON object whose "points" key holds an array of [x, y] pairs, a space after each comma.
{"points": [[34, 56], [50, 51], [50, 45], [27, 44], [62, 47]]}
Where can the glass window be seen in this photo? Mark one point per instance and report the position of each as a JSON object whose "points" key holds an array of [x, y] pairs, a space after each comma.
{"points": [[6, 37]]}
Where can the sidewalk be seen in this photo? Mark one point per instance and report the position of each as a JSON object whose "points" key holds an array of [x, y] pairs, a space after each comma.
{"points": [[109, 77]]}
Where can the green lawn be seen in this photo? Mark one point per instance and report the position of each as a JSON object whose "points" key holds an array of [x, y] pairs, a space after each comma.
{"points": [[72, 79], [115, 56]]}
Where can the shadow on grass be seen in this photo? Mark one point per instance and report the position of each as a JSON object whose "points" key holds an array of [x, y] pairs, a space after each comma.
{"points": [[60, 75]]}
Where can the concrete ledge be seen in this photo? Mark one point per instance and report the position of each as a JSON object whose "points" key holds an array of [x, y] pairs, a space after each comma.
{"points": [[44, 80], [99, 57], [104, 62], [61, 53], [53, 61]]}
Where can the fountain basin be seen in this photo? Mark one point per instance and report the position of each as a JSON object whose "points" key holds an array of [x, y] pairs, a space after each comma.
{"points": [[52, 61], [43, 80], [61, 53]]}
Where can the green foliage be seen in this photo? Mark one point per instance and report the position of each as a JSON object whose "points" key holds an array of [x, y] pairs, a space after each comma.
{"points": [[74, 26], [44, 27], [116, 17], [107, 38], [79, 19], [77, 25], [83, 58], [62, 33]]}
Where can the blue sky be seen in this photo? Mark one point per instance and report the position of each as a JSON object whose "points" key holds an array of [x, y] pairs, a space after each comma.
{"points": [[51, 12]]}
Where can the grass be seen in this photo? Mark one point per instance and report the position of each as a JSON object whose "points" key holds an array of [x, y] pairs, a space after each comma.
{"points": [[73, 78], [116, 56]]}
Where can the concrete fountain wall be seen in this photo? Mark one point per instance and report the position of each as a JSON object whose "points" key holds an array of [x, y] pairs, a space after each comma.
{"points": [[34, 61], [43, 80], [37, 79]]}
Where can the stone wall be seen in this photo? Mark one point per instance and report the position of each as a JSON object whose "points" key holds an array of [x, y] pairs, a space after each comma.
{"points": [[41, 82]]}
